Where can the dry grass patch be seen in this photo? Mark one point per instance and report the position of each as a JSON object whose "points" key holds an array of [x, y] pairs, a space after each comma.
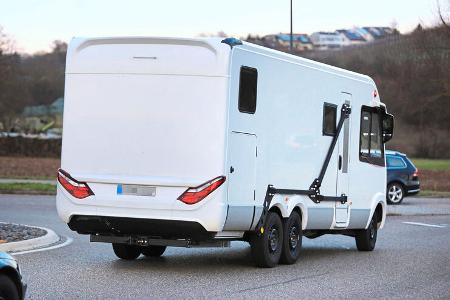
{"points": [[29, 167]]}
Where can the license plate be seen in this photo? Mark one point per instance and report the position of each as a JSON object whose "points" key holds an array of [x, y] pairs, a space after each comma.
{"points": [[136, 190]]}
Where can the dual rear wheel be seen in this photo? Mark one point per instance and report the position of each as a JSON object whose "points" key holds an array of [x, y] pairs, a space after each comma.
{"points": [[130, 252], [280, 242]]}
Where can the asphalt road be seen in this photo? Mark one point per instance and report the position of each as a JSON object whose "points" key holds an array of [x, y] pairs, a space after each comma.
{"points": [[410, 261]]}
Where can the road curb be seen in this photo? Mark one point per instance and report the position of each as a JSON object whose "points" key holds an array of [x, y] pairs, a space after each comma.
{"points": [[49, 238]]}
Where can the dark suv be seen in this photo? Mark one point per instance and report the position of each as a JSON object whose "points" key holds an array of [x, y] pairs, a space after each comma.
{"points": [[402, 177]]}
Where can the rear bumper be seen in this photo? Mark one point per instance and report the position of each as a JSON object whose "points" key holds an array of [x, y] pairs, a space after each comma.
{"points": [[210, 214], [166, 229], [413, 188]]}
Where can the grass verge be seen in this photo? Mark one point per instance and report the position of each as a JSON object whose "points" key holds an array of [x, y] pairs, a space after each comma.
{"points": [[432, 164], [436, 194], [28, 167], [28, 188], [29, 177]]}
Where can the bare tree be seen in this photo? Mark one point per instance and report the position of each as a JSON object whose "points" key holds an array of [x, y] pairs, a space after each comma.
{"points": [[13, 92], [444, 16]]}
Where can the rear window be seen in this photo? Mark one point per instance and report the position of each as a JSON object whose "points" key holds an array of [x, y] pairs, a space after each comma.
{"points": [[395, 162], [248, 82]]}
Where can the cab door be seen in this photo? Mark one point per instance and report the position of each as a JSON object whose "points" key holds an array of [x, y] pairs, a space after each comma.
{"points": [[342, 212]]}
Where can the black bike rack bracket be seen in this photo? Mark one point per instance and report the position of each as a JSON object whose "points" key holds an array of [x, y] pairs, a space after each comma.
{"points": [[314, 189]]}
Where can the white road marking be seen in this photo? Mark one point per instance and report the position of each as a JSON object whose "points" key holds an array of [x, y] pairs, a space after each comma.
{"points": [[67, 242], [426, 225]]}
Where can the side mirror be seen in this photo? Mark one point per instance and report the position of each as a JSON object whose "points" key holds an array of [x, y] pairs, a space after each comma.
{"points": [[388, 126]]}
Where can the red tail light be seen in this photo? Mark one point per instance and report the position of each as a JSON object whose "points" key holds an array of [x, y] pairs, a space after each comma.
{"points": [[196, 194], [416, 173], [77, 189]]}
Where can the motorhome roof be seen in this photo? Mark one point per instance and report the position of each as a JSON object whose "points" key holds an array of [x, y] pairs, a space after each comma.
{"points": [[305, 62], [221, 52]]}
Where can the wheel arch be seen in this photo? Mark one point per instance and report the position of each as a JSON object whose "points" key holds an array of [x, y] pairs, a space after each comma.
{"points": [[276, 209], [302, 211], [284, 206], [380, 210], [399, 181], [378, 205]]}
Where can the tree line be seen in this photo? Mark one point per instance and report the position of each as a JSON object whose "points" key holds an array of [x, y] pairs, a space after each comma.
{"points": [[412, 73], [28, 80]]}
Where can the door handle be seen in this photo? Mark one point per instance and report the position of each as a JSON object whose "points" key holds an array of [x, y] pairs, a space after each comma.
{"points": [[231, 169], [340, 162]]}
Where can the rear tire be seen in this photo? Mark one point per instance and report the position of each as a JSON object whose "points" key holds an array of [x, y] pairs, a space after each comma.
{"points": [[292, 239], [367, 238], [8, 289], [395, 193], [267, 247], [127, 252], [153, 251]]}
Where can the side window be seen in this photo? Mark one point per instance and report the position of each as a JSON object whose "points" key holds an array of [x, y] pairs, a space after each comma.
{"points": [[395, 162], [329, 119], [248, 81], [371, 148]]}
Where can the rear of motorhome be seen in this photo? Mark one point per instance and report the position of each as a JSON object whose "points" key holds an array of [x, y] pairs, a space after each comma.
{"points": [[200, 142]]}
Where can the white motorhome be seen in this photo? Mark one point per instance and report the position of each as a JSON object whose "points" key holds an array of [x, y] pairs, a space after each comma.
{"points": [[199, 142]]}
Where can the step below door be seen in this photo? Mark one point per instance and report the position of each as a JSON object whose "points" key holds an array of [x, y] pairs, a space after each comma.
{"points": [[241, 185]]}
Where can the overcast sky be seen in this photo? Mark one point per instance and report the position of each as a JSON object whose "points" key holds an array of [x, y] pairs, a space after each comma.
{"points": [[34, 24]]}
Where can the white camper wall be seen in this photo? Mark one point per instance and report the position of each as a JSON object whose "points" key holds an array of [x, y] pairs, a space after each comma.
{"points": [[145, 111], [288, 128]]}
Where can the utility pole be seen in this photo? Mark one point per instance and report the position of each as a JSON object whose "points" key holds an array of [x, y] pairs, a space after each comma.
{"points": [[291, 42]]}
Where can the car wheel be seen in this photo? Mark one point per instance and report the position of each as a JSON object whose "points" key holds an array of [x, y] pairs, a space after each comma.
{"points": [[128, 252], [292, 239], [395, 193], [367, 238], [8, 290], [153, 251], [266, 247]]}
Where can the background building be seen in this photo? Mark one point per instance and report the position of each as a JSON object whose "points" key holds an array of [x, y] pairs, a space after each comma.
{"points": [[350, 37], [300, 41], [326, 40]]}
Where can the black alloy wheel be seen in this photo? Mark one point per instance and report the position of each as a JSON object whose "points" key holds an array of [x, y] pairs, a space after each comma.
{"points": [[292, 239], [267, 246]]}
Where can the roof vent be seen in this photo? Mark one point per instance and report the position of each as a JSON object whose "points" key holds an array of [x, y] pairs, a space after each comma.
{"points": [[232, 42]]}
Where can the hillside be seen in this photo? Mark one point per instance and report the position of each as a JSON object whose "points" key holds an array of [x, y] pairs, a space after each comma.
{"points": [[412, 73]]}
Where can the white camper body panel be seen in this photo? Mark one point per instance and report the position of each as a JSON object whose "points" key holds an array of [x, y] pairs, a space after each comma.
{"points": [[163, 113], [290, 145], [138, 113]]}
